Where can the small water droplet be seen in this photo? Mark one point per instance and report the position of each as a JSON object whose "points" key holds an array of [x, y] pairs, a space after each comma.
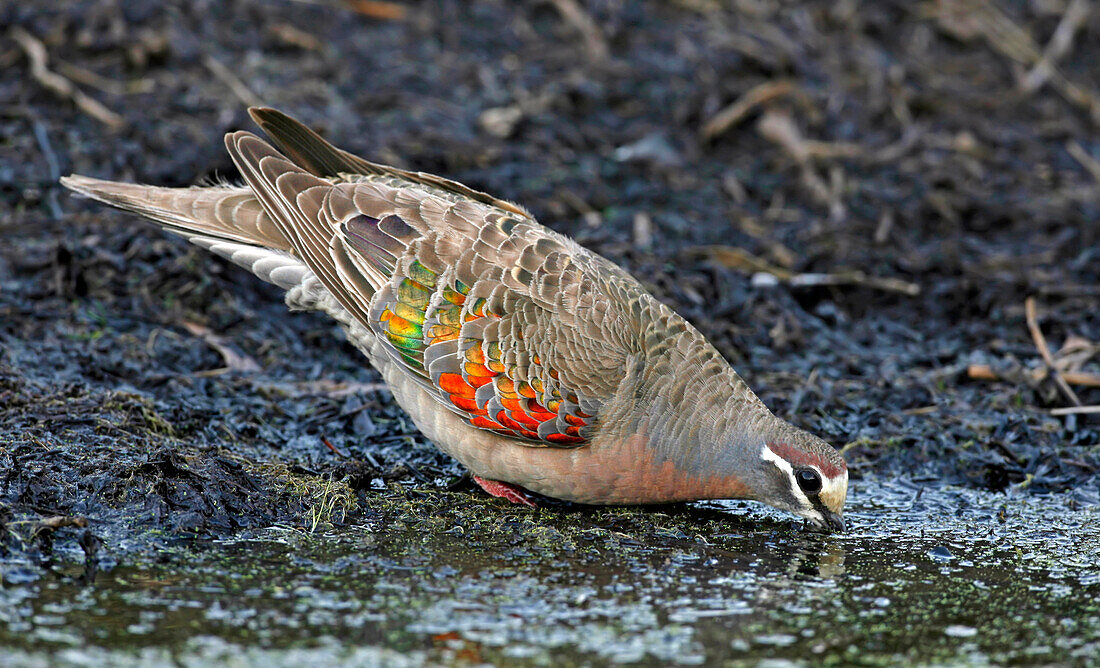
{"points": [[940, 553], [960, 631]]}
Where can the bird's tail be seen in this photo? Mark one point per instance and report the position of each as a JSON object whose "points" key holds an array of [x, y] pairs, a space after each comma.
{"points": [[226, 220], [227, 213]]}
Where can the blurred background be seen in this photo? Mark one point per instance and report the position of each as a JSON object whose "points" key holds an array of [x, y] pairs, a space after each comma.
{"points": [[885, 214]]}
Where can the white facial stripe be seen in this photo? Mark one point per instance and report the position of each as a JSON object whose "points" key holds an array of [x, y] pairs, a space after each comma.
{"points": [[785, 466]]}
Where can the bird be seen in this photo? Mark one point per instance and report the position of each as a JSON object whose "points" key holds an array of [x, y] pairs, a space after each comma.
{"points": [[539, 365]]}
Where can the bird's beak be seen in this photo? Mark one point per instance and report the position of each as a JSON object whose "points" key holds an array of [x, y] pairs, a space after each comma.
{"points": [[829, 521]]}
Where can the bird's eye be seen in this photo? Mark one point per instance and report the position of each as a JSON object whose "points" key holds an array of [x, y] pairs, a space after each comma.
{"points": [[809, 481]]}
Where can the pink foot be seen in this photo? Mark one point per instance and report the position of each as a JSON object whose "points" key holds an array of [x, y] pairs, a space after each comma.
{"points": [[505, 490]]}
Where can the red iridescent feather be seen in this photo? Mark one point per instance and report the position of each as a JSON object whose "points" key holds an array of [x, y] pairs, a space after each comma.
{"points": [[523, 411]]}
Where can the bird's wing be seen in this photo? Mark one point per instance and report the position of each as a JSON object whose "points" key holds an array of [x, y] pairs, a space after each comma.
{"points": [[511, 326], [309, 151]]}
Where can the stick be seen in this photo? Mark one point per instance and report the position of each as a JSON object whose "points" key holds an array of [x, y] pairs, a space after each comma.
{"points": [[223, 74], [738, 259], [101, 83], [330, 446], [234, 361], [733, 113], [1075, 410], [377, 9], [1059, 46], [855, 278], [968, 19], [59, 85], [1091, 165], [1044, 351], [986, 372], [575, 16]]}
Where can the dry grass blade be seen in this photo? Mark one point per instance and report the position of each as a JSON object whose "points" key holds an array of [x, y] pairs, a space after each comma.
{"points": [[234, 361], [735, 112], [61, 521], [857, 278], [59, 85], [1076, 410], [986, 372], [1091, 165], [741, 260], [110, 86], [1044, 351], [778, 126], [377, 9], [1059, 45], [235, 85], [969, 19], [574, 15], [291, 36]]}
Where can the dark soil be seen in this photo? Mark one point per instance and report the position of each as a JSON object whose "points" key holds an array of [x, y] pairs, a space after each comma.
{"points": [[916, 157]]}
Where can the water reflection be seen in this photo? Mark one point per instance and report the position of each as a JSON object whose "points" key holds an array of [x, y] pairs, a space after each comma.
{"points": [[945, 576]]}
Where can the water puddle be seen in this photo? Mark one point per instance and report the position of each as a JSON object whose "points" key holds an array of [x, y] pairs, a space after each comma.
{"points": [[933, 575]]}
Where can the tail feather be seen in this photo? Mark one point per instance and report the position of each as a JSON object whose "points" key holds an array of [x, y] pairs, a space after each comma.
{"points": [[227, 213], [282, 269]]}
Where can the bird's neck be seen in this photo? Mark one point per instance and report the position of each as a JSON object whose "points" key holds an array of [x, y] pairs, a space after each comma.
{"points": [[695, 412]]}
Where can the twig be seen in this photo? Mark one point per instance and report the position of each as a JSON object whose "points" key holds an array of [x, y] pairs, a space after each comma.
{"points": [[986, 372], [235, 85], [376, 9], [59, 85], [234, 361], [777, 126], [52, 165], [969, 19], [333, 448], [296, 37], [1059, 46], [575, 16], [734, 113], [1075, 410], [102, 83], [738, 259], [61, 521], [1044, 351], [1091, 165], [859, 278]]}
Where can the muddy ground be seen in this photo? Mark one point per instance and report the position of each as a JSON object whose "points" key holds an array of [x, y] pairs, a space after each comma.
{"points": [[733, 156]]}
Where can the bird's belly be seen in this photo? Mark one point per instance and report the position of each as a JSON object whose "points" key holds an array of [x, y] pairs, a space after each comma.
{"points": [[605, 471]]}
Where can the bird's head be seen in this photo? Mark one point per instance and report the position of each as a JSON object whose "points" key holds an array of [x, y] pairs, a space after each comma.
{"points": [[800, 473]]}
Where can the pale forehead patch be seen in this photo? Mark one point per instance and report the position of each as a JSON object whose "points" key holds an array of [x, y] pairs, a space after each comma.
{"points": [[834, 491]]}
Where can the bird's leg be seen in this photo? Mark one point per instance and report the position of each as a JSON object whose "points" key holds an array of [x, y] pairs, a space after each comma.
{"points": [[505, 490]]}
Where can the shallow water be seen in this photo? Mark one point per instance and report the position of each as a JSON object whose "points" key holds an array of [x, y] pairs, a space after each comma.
{"points": [[936, 575]]}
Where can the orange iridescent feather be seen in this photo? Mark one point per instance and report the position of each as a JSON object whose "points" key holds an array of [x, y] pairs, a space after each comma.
{"points": [[426, 309]]}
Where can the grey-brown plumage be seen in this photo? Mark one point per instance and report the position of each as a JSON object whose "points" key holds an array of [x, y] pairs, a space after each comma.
{"points": [[531, 360]]}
